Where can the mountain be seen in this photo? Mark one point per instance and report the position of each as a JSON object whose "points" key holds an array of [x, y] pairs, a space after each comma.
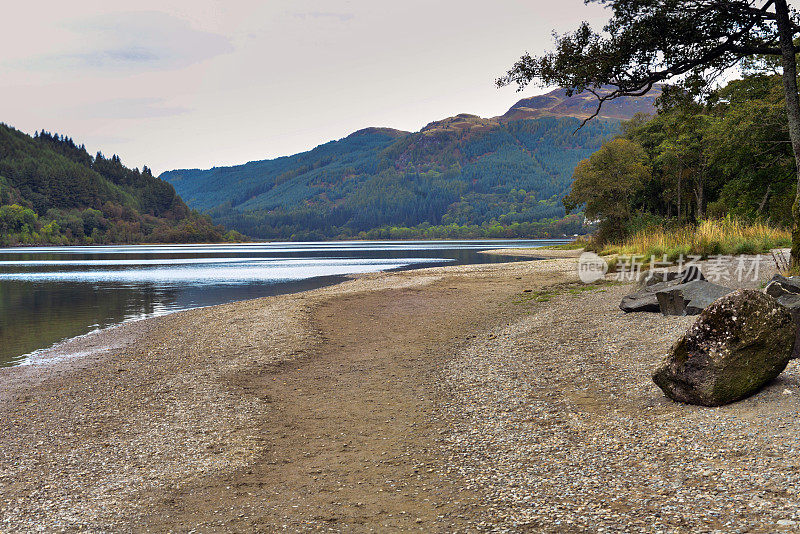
{"points": [[53, 192], [463, 176], [557, 104]]}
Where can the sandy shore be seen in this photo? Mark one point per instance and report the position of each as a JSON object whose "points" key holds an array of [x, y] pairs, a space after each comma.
{"points": [[489, 397], [534, 252]]}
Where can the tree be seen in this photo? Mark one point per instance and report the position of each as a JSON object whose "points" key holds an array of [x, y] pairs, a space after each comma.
{"points": [[606, 183], [750, 146], [647, 42]]}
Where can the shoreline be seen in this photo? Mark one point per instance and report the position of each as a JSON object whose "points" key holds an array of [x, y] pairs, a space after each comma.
{"points": [[179, 404], [98, 343], [61, 348], [490, 396], [92, 343], [534, 252]]}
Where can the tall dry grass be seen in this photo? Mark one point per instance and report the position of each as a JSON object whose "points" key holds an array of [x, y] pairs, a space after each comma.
{"points": [[711, 237]]}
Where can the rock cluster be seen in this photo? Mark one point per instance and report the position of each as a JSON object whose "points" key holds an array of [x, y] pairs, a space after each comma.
{"points": [[671, 293], [645, 299]]}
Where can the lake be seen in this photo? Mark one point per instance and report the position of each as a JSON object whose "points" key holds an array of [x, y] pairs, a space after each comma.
{"points": [[50, 294]]}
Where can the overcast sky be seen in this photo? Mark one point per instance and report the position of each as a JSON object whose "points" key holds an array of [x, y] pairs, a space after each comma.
{"points": [[177, 84]]}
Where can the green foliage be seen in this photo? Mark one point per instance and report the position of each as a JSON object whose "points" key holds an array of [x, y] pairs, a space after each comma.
{"points": [[570, 225], [53, 192], [606, 183], [693, 43], [15, 218], [729, 155], [232, 236], [482, 176]]}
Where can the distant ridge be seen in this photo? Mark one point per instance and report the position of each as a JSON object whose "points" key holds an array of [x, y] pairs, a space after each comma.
{"points": [[461, 176], [390, 132], [556, 103]]}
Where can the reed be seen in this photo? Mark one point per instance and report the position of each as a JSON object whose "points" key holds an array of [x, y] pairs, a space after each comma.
{"points": [[711, 237]]}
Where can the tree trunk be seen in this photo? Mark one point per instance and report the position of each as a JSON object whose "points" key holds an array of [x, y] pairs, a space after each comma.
{"points": [[699, 191], [680, 175], [698, 196], [786, 35], [764, 200]]}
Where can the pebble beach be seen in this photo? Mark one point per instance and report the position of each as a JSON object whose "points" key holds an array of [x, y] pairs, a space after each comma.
{"points": [[500, 398]]}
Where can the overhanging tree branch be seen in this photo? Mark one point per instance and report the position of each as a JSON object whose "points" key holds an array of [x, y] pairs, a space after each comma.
{"points": [[647, 42]]}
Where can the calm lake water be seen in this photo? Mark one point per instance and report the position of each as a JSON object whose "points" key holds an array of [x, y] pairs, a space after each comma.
{"points": [[51, 294]]}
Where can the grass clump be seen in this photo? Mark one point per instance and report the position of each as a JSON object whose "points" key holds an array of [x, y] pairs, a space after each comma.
{"points": [[579, 243], [711, 237], [569, 288]]}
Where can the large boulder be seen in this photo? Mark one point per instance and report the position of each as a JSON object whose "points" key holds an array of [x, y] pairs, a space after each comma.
{"points": [[690, 298], [644, 298], [779, 286], [738, 344]]}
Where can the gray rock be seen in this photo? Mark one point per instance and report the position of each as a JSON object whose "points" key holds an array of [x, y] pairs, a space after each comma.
{"points": [[738, 344], [690, 298], [792, 303], [779, 286], [691, 273], [649, 278], [644, 298]]}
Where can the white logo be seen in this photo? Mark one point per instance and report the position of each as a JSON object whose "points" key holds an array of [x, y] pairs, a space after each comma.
{"points": [[591, 267]]}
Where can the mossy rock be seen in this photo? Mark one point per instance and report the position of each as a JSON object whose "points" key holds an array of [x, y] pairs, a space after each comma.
{"points": [[738, 344]]}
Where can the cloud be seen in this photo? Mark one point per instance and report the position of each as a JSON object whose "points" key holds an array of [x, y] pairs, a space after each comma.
{"points": [[132, 42], [127, 108], [341, 17]]}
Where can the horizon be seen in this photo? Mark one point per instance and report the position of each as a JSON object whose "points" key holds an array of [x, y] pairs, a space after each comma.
{"points": [[175, 85]]}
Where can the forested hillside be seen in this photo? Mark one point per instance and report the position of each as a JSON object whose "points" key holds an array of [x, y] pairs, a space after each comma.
{"points": [[464, 176], [53, 192]]}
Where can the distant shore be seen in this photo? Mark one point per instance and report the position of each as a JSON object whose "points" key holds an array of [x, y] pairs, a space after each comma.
{"points": [[493, 396], [540, 252]]}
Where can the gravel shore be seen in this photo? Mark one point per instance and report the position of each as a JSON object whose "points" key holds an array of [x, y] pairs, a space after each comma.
{"points": [[567, 432], [503, 397]]}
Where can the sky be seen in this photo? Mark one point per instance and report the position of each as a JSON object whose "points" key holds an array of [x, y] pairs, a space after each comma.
{"points": [[201, 83]]}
